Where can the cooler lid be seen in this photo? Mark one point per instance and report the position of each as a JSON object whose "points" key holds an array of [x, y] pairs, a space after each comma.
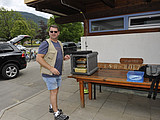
{"points": [[81, 52]]}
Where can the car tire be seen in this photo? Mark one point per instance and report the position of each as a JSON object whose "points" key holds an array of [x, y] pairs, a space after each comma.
{"points": [[10, 71]]}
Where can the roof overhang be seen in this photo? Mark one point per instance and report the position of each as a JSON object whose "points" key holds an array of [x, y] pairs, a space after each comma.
{"points": [[79, 10]]}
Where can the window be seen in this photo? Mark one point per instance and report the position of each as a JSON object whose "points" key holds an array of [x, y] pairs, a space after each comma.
{"points": [[6, 48], [107, 24], [147, 21], [71, 44], [1, 50], [125, 22]]}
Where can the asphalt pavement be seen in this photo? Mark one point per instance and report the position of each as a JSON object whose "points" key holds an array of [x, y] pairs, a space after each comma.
{"points": [[28, 82]]}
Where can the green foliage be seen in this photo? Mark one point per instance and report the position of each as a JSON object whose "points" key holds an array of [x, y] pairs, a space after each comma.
{"points": [[42, 32], [7, 19], [33, 28], [20, 27], [68, 32], [13, 24]]}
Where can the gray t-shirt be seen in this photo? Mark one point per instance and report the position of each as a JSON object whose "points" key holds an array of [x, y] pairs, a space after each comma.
{"points": [[43, 49]]}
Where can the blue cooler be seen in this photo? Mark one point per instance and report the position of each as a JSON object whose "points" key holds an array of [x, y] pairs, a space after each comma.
{"points": [[135, 76]]}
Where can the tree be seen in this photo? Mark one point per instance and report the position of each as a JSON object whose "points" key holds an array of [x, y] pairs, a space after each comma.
{"points": [[33, 28], [24, 27], [68, 32], [13, 24], [42, 32], [7, 19], [20, 27]]}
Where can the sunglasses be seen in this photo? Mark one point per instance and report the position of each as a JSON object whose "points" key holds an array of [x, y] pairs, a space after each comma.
{"points": [[54, 31]]}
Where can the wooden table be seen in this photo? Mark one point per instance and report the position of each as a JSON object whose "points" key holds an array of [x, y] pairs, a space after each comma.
{"points": [[109, 77]]}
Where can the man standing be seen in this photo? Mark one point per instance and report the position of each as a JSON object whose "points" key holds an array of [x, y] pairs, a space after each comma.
{"points": [[50, 57]]}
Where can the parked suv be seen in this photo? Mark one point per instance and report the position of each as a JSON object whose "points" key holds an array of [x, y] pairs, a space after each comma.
{"points": [[11, 60], [69, 47]]}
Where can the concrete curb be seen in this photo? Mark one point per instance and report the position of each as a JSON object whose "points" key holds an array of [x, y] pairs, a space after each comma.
{"points": [[3, 111]]}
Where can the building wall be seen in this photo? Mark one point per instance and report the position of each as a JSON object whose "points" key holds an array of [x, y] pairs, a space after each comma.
{"points": [[111, 48]]}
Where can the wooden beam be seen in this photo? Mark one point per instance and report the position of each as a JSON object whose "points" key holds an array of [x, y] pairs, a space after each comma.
{"points": [[30, 2], [86, 27], [153, 6], [110, 3], [76, 4], [69, 19], [125, 32], [147, 0], [52, 10]]}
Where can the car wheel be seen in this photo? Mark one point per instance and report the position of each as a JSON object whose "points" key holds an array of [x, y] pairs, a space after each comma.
{"points": [[10, 71]]}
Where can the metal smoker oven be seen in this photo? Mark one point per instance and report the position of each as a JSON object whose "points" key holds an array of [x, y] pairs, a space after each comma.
{"points": [[84, 62]]}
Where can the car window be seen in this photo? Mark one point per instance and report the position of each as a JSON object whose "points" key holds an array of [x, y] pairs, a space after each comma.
{"points": [[6, 48], [1, 49], [64, 45], [71, 44]]}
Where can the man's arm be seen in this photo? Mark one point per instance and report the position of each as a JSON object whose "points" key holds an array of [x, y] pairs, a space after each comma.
{"points": [[42, 62]]}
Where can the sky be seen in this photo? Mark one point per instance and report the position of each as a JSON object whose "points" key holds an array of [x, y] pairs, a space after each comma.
{"points": [[18, 5]]}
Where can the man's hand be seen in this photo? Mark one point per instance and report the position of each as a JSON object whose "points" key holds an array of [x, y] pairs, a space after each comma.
{"points": [[66, 57], [54, 71]]}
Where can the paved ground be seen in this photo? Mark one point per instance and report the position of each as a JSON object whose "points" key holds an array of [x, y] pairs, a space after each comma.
{"points": [[28, 82], [111, 104]]}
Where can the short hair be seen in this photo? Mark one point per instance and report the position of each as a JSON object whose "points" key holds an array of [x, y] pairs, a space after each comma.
{"points": [[54, 26]]}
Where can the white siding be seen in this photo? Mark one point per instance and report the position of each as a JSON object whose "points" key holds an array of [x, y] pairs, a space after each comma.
{"points": [[111, 48]]}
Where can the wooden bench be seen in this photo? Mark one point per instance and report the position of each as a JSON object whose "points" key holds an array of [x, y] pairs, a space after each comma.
{"points": [[112, 74], [107, 77], [125, 64]]}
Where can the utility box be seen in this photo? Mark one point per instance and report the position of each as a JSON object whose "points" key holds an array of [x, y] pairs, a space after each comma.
{"points": [[84, 62]]}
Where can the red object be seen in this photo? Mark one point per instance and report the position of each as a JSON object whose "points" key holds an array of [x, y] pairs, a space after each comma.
{"points": [[23, 55]]}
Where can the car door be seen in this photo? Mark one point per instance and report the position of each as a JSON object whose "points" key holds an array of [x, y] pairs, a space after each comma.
{"points": [[1, 54], [65, 48], [6, 52], [72, 47]]}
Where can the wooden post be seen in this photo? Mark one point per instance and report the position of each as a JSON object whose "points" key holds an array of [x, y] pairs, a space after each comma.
{"points": [[86, 27], [90, 90], [82, 93], [86, 32]]}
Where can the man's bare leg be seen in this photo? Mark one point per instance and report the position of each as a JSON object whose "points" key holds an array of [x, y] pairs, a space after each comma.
{"points": [[53, 99]]}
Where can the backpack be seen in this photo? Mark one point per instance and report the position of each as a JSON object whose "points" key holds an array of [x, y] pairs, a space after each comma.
{"points": [[150, 70], [153, 73], [143, 69]]}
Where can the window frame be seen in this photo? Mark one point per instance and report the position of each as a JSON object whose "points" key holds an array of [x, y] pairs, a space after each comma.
{"points": [[99, 19], [145, 25], [9, 50], [127, 21]]}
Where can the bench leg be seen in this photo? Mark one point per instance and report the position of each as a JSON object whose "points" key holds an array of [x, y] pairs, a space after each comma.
{"points": [[100, 88], [82, 93], [156, 88], [94, 91], [151, 88], [90, 90]]}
